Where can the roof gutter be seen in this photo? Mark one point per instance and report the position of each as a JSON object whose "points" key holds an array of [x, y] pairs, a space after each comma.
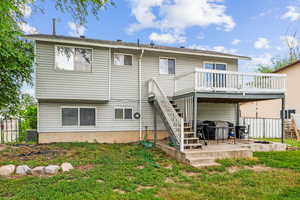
{"points": [[66, 41]]}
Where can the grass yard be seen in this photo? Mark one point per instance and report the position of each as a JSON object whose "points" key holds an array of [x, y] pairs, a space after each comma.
{"points": [[133, 172]]}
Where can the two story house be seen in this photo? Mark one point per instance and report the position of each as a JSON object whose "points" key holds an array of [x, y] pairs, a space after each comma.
{"points": [[116, 92]]}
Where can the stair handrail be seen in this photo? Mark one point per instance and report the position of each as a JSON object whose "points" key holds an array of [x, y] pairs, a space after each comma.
{"points": [[174, 120]]}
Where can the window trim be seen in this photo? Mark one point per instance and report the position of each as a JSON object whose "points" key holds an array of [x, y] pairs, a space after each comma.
{"points": [[215, 63], [124, 54], [166, 57], [123, 108], [73, 71], [78, 108]]}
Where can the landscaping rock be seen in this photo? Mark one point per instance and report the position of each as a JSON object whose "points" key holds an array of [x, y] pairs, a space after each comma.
{"points": [[23, 170], [38, 171], [7, 170], [52, 169], [66, 167]]}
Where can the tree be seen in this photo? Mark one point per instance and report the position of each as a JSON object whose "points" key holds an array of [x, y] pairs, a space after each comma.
{"points": [[292, 43], [277, 63], [16, 54]]}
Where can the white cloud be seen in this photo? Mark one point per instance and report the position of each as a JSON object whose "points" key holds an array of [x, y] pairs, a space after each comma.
{"points": [[27, 29], [177, 15], [265, 59], [236, 42], [262, 43], [76, 29], [25, 10], [215, 48], [293, 13], [167, 38]]}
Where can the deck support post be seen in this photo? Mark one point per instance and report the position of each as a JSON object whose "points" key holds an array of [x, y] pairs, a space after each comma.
{"points": [[282, 118], [237, 123], [195, 115], [155, 125]]}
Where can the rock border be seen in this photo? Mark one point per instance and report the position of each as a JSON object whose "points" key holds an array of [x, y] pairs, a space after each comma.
{"points": [[23, 170]]}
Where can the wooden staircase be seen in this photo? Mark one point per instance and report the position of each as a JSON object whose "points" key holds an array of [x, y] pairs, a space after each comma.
{"points": [[191, 141]]}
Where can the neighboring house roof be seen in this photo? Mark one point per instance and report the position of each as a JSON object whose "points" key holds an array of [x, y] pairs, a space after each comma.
{"points": [[128, 45], [287, 66]]}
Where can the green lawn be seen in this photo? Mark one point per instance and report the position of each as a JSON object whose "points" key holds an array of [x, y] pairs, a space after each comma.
{"points": [[133, 172]]}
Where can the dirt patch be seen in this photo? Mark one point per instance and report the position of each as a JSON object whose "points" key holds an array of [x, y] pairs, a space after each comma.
{"points": [[189, 173], [260, 168], [99, 181], [169, 180], [168, 166], [31, 152], [256, 168], [141, 167], [119, 191], [141, 187], [2, 147], [233, 169], [85, 167]]}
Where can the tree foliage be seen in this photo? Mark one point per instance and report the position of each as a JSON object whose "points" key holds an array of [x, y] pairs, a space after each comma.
{"points": [[277, 63], [16, 54]]}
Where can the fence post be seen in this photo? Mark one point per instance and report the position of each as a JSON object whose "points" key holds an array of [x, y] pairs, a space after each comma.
{"points": [[1, 132]]}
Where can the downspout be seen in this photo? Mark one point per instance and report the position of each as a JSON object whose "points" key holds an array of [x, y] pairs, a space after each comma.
{"points": [[140, 91]]}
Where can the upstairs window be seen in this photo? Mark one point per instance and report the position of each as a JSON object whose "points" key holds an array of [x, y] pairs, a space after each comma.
{"points": [[73, 59], [122, 59], [167, 66], [123, 113], [78, 116]]}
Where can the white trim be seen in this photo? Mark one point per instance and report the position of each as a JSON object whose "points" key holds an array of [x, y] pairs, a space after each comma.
{"points": [[74, 47], [169, 58], [123, 54], [78, 109], [131, 47]]}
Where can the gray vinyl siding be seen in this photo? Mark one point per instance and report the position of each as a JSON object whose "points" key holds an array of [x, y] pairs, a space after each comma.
{"points": [[50, 117], [217, 111], [57, 84], [52, 84], [124, 79]]}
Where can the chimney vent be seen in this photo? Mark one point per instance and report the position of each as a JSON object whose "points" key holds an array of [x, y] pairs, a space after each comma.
{"points": [[152, 43], [182, 47], [82, 36], [53, 26], [118, 40]]}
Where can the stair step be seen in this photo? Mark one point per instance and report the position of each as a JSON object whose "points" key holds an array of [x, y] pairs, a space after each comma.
{"points": [[177, 110], [201, 160], [191, 138], [193, 146]]}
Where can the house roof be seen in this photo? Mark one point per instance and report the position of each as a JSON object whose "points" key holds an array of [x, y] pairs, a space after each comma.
{"points": [[287, 66], [130, 45]]}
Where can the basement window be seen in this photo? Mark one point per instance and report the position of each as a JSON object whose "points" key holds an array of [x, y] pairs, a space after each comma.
{"points": [[73, 59], [123, 113], [122, 59], [78, 116]]}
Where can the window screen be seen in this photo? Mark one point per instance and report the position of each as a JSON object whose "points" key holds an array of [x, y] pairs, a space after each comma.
{"points": [[70, 116], [73, 59], [119, 113], [166, 66], [128, 113], [87, 116], [121, 59]]}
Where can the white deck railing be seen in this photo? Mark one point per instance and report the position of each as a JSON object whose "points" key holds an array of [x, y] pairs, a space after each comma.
{"points": [[229, 81], [174, 120]]}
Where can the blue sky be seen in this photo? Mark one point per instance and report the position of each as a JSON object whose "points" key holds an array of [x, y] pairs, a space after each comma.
{"points": [[255, 28]]}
